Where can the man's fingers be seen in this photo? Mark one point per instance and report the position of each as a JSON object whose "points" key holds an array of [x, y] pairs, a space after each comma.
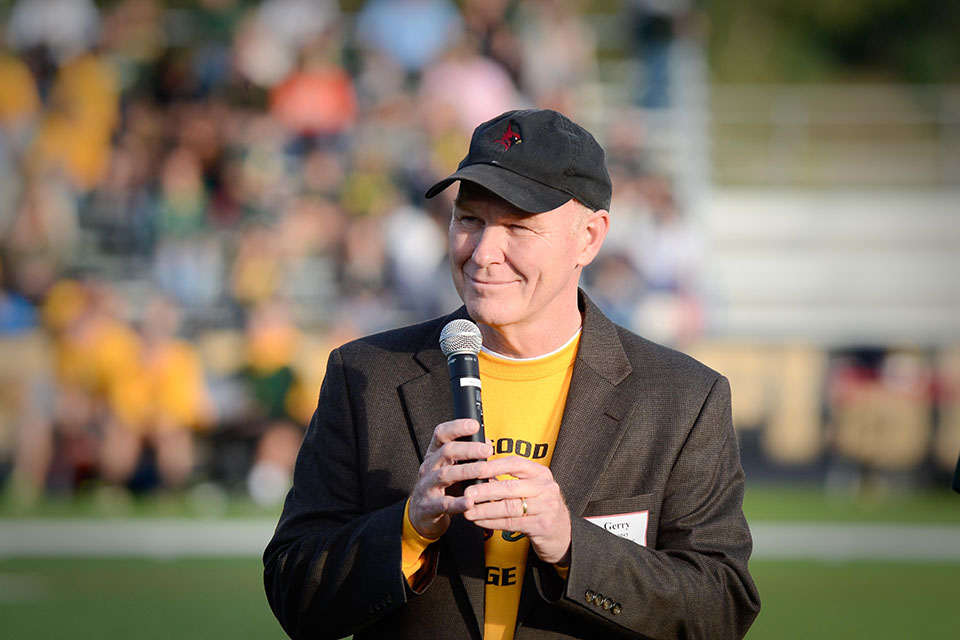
{"points": [[454, 452], [430, 516], [447, 462], [529, 479], [446, 505], [449, 474], [458, 504], [505, 515], [514, 466], [507, 508], [503, 489], [450, 431]]}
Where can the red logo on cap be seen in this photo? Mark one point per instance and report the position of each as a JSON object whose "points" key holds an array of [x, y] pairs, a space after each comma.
{"points": [[509, 137]]}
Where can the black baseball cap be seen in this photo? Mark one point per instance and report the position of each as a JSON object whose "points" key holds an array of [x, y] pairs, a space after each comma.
{"points": [[535, 159]]}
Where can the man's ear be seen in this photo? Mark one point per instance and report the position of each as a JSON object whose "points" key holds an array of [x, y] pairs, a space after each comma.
{"points": [[593, 230]]}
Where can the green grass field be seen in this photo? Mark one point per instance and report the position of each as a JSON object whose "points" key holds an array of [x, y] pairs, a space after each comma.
{"points": [[223, 598], [107, 599], [810, 504], [806, 600]]}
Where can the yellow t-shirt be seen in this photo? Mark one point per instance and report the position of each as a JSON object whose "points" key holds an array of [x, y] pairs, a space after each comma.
{"points": [[523, 402]]}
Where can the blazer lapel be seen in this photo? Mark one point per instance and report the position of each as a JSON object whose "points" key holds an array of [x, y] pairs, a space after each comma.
{"points": [[427, 402], [592, 424], [591, 427]]}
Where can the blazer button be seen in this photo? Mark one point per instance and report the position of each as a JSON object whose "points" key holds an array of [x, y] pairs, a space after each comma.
{"points": [[616, 609], [597, 599], [589, 595], [606, 604]]}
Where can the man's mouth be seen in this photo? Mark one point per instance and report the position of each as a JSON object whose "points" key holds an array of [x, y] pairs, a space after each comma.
{"points": [[488, 283]]}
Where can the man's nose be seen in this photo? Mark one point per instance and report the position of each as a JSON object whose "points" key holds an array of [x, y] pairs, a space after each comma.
{"points": [[490, 246]]}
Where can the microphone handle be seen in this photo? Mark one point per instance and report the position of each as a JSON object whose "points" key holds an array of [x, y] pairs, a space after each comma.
{"points": [[465, 390]]}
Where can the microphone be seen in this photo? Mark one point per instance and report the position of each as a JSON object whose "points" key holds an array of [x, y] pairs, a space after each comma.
{"points": [[460, 342]]}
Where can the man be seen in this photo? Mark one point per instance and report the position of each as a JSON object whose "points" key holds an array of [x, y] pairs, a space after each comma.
{"points": [[612, 501]]}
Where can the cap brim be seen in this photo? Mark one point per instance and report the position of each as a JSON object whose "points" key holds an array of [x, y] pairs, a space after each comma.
{"points": [[525, 194]]}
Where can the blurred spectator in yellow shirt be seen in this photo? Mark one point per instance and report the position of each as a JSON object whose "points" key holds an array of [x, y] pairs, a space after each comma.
{"points": [[158, 403], [272, 342], [19, 100], [74, 132], [92, 346]]}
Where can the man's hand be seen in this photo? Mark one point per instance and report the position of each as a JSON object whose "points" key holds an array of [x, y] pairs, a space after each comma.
{"points": [[430, 506], [499, 505]]}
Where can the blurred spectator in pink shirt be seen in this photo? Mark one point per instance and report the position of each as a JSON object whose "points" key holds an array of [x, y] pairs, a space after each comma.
{"points": [[468, 86]]}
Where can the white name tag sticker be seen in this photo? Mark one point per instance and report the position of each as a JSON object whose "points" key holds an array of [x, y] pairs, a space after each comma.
{"points": [[470, 382], [632, 526]]}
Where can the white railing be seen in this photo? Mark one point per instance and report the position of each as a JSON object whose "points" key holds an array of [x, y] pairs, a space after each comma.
{"points": [[836, 135]]}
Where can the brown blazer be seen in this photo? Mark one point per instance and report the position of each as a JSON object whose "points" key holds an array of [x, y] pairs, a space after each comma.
{"points": [[645, 428]]}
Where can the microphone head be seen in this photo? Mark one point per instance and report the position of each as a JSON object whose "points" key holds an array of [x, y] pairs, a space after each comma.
{"points": [[460, 336]]}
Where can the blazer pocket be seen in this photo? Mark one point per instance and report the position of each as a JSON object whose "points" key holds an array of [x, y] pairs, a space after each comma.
{"points": [[628, 517], [615, 506]]}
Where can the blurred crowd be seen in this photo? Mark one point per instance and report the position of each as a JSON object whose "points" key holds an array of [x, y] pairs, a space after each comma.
{"points": [[199, 200]]}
